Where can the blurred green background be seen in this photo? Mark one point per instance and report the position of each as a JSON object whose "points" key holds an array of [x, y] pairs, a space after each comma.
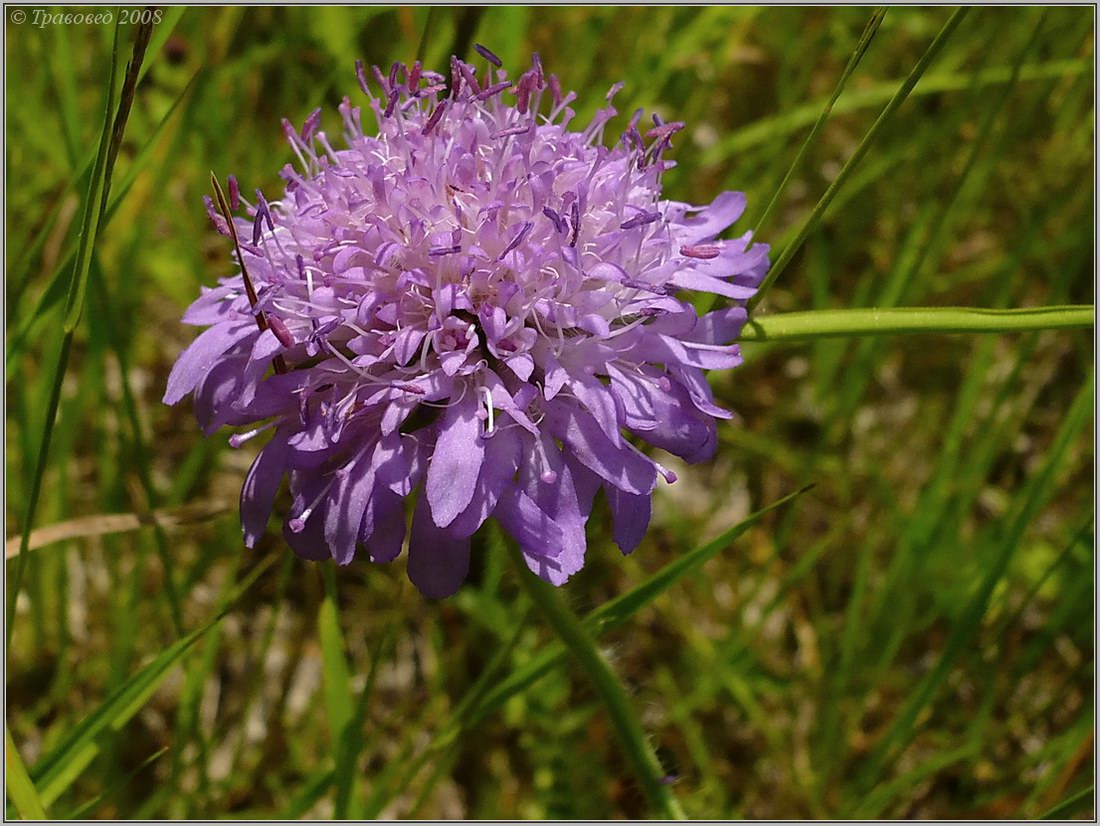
{"points": [[913, 638]]}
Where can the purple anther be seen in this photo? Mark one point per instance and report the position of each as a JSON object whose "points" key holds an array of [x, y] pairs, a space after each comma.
{"points": [[614, 90], [279, 328], [262, 209], [515, 242], [640, 220], [488, 55], [437, 251], [381, 78], [391, 104], [456, 77], [414, 77], [703, 251], [301, 266], [234, 194], [311, 124], [555, 90], [217, 220], [495, 89], [511, 130], [434, 118], [469, 75], [290, 132], [559, 222], [361, 76], [575, 216], [393, 73], [523, 92], [665, 130]]}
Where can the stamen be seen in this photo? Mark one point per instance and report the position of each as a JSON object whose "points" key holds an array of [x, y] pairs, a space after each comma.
{"points": [[702, 251], [640, 220], [311, 124], [235, 192], [515, 242], [282, 333], [488, 55], [361, 76], [238, 439], [488, 408]]}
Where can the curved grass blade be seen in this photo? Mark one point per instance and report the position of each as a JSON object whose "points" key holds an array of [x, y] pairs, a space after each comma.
{"points": [[339, 702], [1072, 804], [812, 325], [614, 613], [79, 813], [351, 742], [857, 55], [639, 753], [55, 290], [20, 788], [864, 146], [93, 202], [966, 627], [56, 772], [777, 126]]}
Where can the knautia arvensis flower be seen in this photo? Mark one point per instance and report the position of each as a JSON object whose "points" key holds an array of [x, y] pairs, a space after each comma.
{"points": [[479, 308]]}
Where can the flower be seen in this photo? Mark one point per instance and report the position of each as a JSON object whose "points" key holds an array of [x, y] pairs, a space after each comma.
{"points": [[476, 308]]}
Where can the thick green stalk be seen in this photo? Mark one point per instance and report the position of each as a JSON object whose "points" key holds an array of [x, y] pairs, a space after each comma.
{"points": [[815, 324], [642, 758]]}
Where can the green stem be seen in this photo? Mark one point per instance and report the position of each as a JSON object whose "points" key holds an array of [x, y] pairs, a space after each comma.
{"points": [[642, 758], [815, 324]]}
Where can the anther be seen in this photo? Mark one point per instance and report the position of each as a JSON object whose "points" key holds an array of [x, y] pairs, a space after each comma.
{"points": [[488, 55]]}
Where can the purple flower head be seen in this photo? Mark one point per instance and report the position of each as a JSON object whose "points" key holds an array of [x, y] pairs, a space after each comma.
{"points": [[475, 307]]}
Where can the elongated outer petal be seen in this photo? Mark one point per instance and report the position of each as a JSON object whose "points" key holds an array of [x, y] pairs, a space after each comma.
{"points": [[456, 461], [310, 543], [501, 460], [348, 503], [711, 220], [205, 351], [386, 531], [260, 486], [630, 517], [623, 467], [438, 563], [539, 537]]}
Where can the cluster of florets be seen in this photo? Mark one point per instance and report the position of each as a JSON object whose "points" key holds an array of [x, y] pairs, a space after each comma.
{"points": [[476, 308]]}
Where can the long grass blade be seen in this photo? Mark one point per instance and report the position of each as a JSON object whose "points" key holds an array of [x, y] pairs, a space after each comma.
{"points": [[20, 788], [857, 55], [1072, 805], [639, 753], [969, 621], [864, 146], [100, 183], [614, 613], [57, 771]]}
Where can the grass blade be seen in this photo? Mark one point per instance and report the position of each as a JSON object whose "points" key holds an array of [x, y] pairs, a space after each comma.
{"points": [[614, 613], [339, 702], [864, 146], [1073, 803], [20, 788], [56, 772], [114, 125], [639, 752], [970, 617], [857, 55]]}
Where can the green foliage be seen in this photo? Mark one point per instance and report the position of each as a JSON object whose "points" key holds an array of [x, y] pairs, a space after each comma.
{"points": [[913, 638]]}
